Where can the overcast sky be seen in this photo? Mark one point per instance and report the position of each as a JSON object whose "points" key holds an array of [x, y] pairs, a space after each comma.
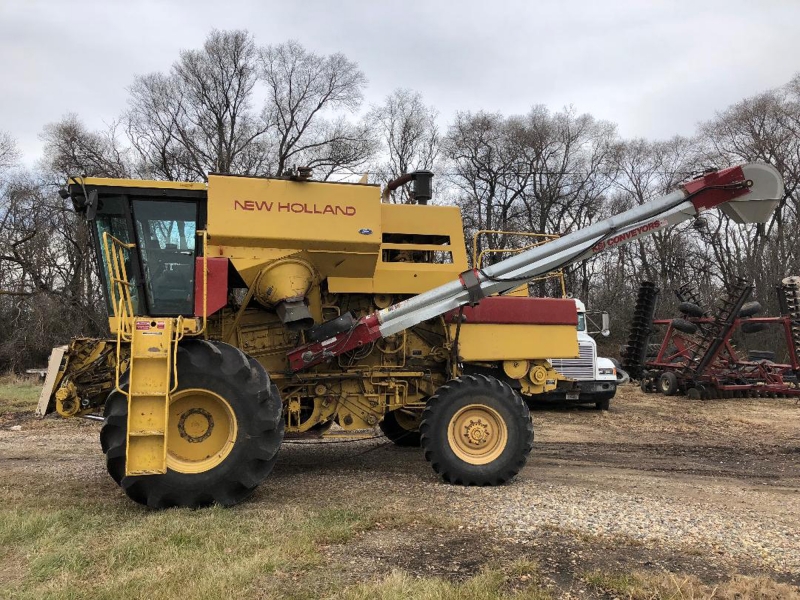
{"points": [[656, 68]]}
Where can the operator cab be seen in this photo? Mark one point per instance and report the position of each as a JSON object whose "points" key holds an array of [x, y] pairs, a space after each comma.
{"points": [[155, 229]]}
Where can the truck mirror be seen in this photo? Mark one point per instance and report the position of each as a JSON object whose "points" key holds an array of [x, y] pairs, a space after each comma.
{"points": [[606, 329]]}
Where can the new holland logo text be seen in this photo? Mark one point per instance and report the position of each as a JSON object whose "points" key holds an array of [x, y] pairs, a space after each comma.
{"points": [[628, 235], [295, 207]]}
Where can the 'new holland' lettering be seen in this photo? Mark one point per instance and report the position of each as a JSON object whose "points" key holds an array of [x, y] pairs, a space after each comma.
{"points": [[294, 207]]}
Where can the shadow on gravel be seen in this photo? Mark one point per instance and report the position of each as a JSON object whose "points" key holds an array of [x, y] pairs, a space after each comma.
{"points": [[562, 558]]}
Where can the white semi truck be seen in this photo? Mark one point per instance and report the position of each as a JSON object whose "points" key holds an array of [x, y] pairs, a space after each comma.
{"points": [[589, 379]]}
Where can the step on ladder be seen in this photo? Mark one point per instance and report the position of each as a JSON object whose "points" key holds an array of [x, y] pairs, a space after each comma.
{"points": [[154, 343]]}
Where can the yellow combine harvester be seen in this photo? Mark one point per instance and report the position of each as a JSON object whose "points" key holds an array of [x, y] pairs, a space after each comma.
{"points": [[252, 308]]}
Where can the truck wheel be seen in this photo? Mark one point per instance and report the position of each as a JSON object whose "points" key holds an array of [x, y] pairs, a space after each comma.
{"points": [[476, 431], [402, 428], [603, 404], [668, 383], [224, 431]]}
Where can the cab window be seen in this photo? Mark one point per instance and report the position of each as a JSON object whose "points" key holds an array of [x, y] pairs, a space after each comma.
{"points": [[167, 232], [112, 219]]}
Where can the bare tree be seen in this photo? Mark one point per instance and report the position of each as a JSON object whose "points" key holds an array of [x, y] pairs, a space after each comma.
{"points": [[474, 147], [540, 172], [9, 154], [71, 149], [48, 291], [763, 128], [302, 89], [199, 118], [409, 136]]}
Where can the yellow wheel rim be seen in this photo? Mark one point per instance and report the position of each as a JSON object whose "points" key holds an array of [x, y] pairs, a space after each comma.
{"points": [[202, 431], [477, 434]]}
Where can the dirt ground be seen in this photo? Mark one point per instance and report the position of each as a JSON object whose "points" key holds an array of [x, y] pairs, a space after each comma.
{"points": [[655, 485]]}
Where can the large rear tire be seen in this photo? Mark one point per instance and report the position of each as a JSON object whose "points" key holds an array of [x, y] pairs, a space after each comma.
{"points": [[476, 430], [402, 428], [225, 429]]}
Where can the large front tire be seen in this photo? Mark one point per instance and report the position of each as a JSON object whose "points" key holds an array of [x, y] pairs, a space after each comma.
{"points": [[476, 431], [225, 429]]}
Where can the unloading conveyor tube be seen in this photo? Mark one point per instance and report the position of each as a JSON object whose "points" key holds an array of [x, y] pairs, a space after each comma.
{"points": [[746, 193]]}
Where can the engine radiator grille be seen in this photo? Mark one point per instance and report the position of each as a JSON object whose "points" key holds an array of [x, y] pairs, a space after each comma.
{"points": [[577, 368]]}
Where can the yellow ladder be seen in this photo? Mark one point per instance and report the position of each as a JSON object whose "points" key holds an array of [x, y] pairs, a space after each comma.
{"points": [[154, 344]]}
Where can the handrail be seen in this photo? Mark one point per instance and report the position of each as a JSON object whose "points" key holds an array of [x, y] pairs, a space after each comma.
{"points": [[477, 258], [119, 286]]}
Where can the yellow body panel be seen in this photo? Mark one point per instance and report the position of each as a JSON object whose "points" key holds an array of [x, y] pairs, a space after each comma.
{"points": [[277, 213], [489, 342], [138, 183], [393, 274], [249, 262]]}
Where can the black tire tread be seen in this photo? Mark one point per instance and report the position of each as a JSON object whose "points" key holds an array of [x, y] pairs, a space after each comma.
{"points": [[671, 380], [465, 476], [753, 327], [263, 437], [691, 309], [750, 309], [684, 326], [400, 436]]}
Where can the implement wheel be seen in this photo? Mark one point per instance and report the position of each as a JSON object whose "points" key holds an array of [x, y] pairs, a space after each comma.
{"points": [[402, 427], [668, 383], [476, 431], [224, 431]]}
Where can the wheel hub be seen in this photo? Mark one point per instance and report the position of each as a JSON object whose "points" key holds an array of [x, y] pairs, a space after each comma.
{"points": [[477, 434], [202, 430], [195, 425]]}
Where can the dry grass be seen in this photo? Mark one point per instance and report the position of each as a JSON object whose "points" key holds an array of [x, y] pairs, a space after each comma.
{"points": [[518, 580], [670, 586]]}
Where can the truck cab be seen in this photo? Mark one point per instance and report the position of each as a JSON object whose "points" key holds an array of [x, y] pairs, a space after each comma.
{"points": [[588, 379]]}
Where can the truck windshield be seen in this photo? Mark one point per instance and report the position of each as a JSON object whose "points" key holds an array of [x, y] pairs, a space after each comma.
{"points": [[167, 232], [581, 321]]}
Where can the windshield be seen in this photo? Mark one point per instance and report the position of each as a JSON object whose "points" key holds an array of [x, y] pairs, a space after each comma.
{"points": [[167, 232], [581, 321]]}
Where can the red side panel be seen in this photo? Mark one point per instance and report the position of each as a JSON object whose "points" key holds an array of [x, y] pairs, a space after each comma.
{"points": [[217, 285], [512, 310]]}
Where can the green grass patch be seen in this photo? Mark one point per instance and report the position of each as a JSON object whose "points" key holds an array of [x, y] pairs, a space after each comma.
{"points": [[123, 551], [18, 394]]}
